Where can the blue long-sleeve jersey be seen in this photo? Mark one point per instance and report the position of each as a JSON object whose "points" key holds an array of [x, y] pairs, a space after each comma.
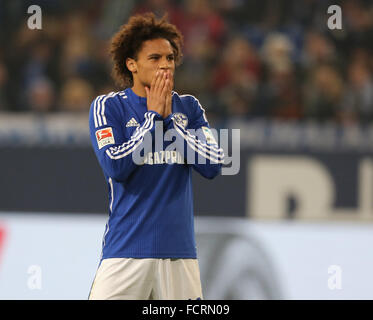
{"points": [[151, 201]]}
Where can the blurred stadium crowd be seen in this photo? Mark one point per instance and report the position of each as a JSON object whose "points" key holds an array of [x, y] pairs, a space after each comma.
{"points": [[268, 58]]}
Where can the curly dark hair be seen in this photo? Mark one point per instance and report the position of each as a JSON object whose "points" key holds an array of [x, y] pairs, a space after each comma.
{"points": [[127, 42]]}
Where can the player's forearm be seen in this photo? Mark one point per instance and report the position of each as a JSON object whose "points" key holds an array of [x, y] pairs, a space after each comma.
{"points": [[206, 157], [117, 160]]}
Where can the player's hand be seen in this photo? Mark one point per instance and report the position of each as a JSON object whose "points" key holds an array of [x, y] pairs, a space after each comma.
{"points": [[168, 105], [156, 94]]}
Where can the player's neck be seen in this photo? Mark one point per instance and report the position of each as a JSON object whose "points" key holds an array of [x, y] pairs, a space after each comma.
{"points": [[139, 89]]}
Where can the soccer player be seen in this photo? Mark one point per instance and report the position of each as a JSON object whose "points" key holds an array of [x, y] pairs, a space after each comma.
{"points": [[148, 248]]}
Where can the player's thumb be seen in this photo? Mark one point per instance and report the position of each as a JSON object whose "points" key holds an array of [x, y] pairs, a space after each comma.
{"points": [[147, 90]]}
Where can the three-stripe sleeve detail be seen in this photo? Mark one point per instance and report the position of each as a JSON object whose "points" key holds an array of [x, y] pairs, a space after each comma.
{"points": [[99, 105], [128, 147], [209, 152]]}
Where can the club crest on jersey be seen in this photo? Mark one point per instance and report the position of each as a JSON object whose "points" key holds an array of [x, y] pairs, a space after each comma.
{"points": [[181, 119], [105, 137]]}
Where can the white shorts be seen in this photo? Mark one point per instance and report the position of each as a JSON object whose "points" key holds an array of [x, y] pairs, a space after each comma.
{"points": [[143, 279]]}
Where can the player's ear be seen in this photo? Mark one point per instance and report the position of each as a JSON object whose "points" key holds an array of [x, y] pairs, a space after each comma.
{"points": [[131, 65]]}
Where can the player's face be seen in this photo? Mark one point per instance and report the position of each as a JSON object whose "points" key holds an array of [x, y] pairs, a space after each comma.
{"points": [[154, 55]]}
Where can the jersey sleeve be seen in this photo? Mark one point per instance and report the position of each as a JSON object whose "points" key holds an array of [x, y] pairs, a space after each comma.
{"points": [[113, 150], [199, 142]]}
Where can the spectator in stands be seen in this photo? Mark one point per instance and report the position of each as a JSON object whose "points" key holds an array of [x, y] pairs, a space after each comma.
{"points": [[99, 70], [279, 95], [32, 57], [160, 7], [3, 87], [203, 28], [276, 51], [204, 32], [238, 57], [76, 95], [235, 79], [39, 63], [323, 93], [358, 98], [358, 23], [317, 50], [76, 47], [41, 96]]}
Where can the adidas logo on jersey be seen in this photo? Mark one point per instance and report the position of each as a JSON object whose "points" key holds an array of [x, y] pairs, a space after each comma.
{"points": [[132, 123]]}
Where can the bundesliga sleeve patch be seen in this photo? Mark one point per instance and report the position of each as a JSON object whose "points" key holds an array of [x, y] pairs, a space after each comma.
{"points": [[208, 135], [104, 137]]}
